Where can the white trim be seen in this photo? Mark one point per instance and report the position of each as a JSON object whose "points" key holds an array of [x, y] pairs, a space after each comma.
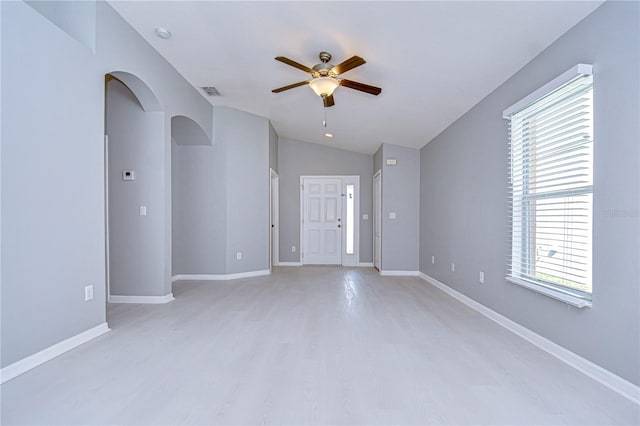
{"points": [[107, 248], [565, 77], [290, 264], [149, 300], [365, 265], [399, 273], [219, 277], [554, 294], [32, 361], [599, 374], [377, 219]]}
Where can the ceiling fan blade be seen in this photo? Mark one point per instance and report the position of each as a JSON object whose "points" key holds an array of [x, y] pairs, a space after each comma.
{"points": [[360, 86], [291, 86], [349, 64], [328, 101], [294, 64]]}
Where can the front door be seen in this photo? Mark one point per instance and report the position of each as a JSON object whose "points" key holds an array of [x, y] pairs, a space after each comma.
{"points": [[322, 221]]}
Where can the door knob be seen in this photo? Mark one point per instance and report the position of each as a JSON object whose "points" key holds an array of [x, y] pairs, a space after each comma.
{"points": [[339, 225]]}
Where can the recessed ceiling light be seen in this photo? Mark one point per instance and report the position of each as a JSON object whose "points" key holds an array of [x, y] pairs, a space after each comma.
{"points": [[163, 33], [329, 135]]}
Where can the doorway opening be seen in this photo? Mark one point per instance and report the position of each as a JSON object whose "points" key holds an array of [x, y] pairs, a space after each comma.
{"points": [[134, 192], [274, 219]]}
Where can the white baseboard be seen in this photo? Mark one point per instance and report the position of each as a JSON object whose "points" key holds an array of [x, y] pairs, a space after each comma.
{"points": [[151, 300], [366, 264], [399, 273], [219, 277], [290, 264], [604, 376], [20, 367]]}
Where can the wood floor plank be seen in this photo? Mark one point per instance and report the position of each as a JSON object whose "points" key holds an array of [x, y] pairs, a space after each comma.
{"points": [[312, 346]]}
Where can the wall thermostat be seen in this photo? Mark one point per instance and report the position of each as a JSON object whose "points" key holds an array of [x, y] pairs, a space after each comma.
{"points": [[128, 175]]}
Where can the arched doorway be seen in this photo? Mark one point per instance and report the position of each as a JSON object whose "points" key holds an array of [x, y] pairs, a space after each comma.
{"points": [[135, 190]]}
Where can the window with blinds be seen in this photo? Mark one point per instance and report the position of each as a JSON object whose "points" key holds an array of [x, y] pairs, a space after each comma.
{"points": [[551, 186]]}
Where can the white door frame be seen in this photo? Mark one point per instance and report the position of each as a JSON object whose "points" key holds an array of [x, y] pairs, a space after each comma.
{"points": [[106, 218], [377, 220], [347, 260], [274, 219]]}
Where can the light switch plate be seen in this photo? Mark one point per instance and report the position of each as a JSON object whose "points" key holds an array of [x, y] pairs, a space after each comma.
{"points": [[88, 292], [239, 255], [392, 215], [481, 277], [128, 175], [143, 210], [365, 217]]}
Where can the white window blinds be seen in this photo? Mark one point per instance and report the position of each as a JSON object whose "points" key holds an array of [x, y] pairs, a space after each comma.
{"points": [[551, 187]]}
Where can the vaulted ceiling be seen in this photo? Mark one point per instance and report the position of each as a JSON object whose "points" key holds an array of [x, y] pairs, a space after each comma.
{"points": [[433, 60]]}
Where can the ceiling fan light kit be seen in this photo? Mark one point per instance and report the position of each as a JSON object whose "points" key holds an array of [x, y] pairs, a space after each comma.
{"points": [[324, 77], [324, 85]]}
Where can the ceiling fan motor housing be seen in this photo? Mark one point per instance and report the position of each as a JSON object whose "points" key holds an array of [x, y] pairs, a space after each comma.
{"points": [[323, 69]]}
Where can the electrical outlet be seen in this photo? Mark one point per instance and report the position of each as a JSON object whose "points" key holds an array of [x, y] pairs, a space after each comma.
{"points": [[433, 260], [481, 277], [365, 217], [293, 249], [143, 210], [88, 292], [453, 267], [239, 255]]}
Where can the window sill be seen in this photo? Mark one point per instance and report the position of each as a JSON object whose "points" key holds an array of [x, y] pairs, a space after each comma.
{"points": [[563, 297]]}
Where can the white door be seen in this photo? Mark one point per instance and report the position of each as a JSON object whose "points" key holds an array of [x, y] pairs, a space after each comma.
{"points": [[322, 221], [377, 219], [274, 225]]}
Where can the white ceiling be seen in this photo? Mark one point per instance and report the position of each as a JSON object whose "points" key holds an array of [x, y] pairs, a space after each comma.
{"points": [[433, 60]]}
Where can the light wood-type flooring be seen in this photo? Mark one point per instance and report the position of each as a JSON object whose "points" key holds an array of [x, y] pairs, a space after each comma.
{"points": [[308, 345]]}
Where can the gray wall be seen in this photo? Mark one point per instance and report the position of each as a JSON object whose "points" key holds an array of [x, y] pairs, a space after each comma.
{"points": [[464, 207], [400, 194], [135, 245], [53, 221], [221, 198], [199, 212], [52, 185], [273, 148], [297, 159], [377, 160], [246, 140]]}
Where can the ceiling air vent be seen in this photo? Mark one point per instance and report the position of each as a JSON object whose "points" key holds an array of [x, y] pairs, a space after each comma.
{"points": [[211, 91]]}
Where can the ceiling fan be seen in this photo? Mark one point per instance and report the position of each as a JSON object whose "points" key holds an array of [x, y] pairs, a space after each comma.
{"points": [[326, 77]]}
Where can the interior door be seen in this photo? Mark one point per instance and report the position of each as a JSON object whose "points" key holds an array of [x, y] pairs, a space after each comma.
{"points": [[322, 221], [377, 219], [274, 225]]}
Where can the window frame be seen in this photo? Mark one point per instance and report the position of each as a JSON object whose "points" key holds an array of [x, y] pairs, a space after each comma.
{"points": [[522, 252]]}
